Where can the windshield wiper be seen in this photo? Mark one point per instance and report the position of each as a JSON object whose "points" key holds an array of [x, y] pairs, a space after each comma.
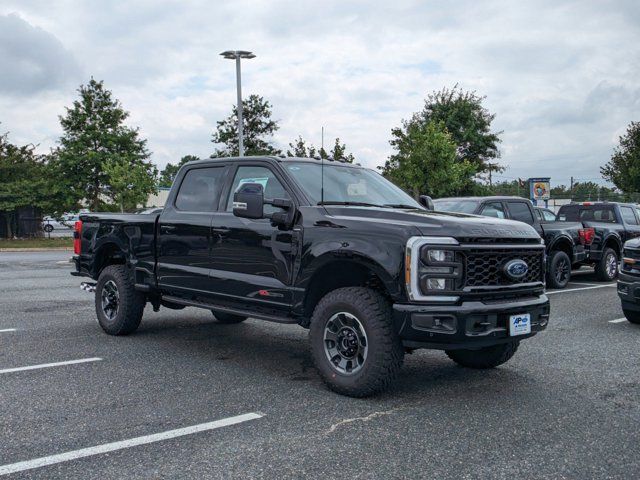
{"points": [[354, 204], [400, 205]]}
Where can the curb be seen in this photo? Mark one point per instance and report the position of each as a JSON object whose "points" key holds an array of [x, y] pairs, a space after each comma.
{"points": [[52, 249]]}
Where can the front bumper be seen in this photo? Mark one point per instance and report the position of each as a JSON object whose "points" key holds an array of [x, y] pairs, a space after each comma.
{"points": [[472, 324], [629, 291]]}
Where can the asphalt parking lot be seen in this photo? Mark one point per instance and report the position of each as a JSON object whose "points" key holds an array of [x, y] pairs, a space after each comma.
{"points": [[186, 397]]}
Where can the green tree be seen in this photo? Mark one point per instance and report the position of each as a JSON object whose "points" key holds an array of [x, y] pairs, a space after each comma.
{"points": [[169, 172], [299, 148], [339, 152], [95, 136], [425, 161], [130, 184], [26, 182], [623, 170], [468, 122], [258, 127]]}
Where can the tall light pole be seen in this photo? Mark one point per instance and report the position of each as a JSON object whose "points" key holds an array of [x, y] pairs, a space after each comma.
{"points": [[237, 55]]}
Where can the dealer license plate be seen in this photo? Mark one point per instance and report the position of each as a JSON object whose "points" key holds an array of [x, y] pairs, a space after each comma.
{"points": [[519, 324]]}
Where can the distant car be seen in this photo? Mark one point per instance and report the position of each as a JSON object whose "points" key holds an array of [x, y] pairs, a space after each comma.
{"points": [[545, 215], [49, 224]]}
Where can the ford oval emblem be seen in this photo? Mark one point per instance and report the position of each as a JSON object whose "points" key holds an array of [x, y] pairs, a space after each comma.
{"points": [[516, 269]]}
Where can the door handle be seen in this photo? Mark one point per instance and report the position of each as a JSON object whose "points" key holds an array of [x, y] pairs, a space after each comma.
{"points": [[167, 228]]}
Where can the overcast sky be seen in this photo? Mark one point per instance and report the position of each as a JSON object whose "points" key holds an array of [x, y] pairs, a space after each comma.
{"points": [[563, 78]]}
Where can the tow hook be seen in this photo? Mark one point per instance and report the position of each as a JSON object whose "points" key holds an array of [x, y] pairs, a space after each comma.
{"points": [[88, 286]]}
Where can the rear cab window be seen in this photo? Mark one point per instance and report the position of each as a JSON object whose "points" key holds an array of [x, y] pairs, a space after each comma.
{"points": [[200, 189], [588, 213], [628, 216]]}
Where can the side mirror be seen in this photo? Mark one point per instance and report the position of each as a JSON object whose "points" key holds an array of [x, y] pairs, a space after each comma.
{"points": [[248, 201], [426, 202]]}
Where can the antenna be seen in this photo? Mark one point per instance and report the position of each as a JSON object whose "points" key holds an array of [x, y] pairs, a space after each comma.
{"points": [[322, 168]]}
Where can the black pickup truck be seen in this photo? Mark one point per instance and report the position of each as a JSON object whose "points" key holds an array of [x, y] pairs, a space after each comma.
{"points": [[613, 224], [565, 241], [330, 246], [629, 280]]}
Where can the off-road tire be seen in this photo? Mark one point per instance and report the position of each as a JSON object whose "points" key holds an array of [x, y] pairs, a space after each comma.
{"points": [[228, 318], [555, 278], [488, 357], [632, 316], [130, 302], [601, 267], [384, 350]]}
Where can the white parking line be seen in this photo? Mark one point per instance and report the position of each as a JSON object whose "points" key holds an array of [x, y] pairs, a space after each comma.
{"points": [[47, 365], [7, 330], [567, 290], [133, 442], [618, 320]]}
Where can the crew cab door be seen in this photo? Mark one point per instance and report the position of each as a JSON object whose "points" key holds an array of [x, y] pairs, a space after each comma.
{"points": [[631, 224], [252, 260], [184, 230]]}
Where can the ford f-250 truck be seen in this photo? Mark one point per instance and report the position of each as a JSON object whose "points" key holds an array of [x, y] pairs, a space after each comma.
{"points": [[333, 247], [565, 241]]}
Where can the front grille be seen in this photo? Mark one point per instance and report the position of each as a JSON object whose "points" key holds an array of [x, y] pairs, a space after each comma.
{"points": [[484, 267], [631, 253]]}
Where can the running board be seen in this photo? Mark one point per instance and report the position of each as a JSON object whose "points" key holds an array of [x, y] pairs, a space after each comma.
{"points": [[233, 311]]}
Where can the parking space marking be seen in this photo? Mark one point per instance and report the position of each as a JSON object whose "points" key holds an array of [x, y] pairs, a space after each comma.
{"points": [[4, 330], [48, 365], [567, 290], [120, 445], [618, 320]]}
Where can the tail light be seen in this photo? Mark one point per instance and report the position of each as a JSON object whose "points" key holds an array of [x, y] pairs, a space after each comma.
{"points": [[77, 237], [586, 235]]}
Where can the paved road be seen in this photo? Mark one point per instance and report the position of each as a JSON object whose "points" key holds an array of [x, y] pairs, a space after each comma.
{"points": [[566, 406]]}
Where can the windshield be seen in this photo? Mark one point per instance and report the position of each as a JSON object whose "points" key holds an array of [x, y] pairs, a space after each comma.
{"points": [[456, 206], [348, 185]]}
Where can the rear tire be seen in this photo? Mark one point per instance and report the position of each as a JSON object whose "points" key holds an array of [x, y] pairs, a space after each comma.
{"points": [[559, 272], [488, 357], [48, 228], [353, 343], [119, 305], [228, 318], [607, 267], [632, 316]]}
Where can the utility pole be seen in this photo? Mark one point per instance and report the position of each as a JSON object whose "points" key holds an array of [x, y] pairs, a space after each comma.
{"points": [[237, 55], [571, 190]]}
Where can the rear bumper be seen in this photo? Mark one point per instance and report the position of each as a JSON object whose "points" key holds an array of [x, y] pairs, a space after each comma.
{"points": [[473, 324], [629, 291]]}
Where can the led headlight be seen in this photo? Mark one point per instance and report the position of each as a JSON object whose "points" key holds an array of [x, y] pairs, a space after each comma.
{"points": [[440, 256]]}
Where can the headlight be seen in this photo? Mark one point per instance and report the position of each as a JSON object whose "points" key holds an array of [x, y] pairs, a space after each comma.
{"points": [[440, 255], [433, 268]]}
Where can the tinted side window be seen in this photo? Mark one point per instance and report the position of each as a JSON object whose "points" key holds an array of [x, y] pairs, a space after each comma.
{"points": [[598, 214], [200, 189], [521, 212], [548, 216], [493, 210], [263, 175], [628, 215]]}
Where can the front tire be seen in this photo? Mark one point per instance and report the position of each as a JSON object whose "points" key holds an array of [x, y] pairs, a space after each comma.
{"points": [[607, 267], [354, 346], [228, 318], [484, 358], [632, 316], [119, 305], [559, 272]]}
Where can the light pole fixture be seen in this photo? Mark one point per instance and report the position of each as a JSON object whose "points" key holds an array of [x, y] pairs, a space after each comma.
{"points": [[237, 55]]}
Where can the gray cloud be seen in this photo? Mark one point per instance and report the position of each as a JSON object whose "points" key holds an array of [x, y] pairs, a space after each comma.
{"points": [[31, 59]]}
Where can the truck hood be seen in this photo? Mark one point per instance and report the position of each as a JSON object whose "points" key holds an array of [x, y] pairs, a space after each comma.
{"points": [[437, 223]]}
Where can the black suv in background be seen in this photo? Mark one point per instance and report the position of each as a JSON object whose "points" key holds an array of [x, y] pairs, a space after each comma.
{"points": [[629, 280], [613, 224], [565, 241], [333, 247]]}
